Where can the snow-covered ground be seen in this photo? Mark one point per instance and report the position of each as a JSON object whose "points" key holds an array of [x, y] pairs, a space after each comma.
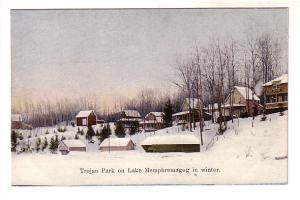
{"points": [[243, 155]]}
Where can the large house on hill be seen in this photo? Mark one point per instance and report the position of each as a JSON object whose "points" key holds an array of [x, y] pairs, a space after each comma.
{"points": [[276, 94], [241, 100], [86, 118], [153, 121]]}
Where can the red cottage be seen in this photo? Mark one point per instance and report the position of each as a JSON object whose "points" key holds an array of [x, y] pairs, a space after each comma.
{"points": [[86, 118]]}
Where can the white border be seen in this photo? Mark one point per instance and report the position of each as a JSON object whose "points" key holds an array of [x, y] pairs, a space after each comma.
{"points": [[149, 192]]}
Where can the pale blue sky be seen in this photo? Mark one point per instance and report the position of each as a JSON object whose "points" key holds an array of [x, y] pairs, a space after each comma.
{"points": [[110, 53]]}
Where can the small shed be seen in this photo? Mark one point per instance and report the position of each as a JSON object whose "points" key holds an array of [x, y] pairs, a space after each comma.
{"points": [[86, 118], [117, 144], [171, 143], [66, 146]]}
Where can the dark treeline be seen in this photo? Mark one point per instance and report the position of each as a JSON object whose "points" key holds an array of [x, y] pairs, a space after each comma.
{"points": [[50, 113]]}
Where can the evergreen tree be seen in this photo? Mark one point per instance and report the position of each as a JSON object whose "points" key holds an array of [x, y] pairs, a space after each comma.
{"points": [[47, 132], [52, 146], [56, 141], [105, 133], [133, 128], [90, 133], [168, 109], [45, 144], [120, 130], [38, 144], [14, 140], [76, 136]]}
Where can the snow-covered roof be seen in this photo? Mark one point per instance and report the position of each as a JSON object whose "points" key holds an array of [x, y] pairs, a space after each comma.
{"points": [[171, 139], [151, 121], [73, 143], [180, 113], [284, 78], [115, 142], [16, 118], [243, 91], [156, 114], [131, 113], [84, 113], [233, 105]]}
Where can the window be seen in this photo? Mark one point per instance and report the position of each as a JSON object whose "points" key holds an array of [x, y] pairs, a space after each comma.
{"points": [[275, 87], [84, 122]]}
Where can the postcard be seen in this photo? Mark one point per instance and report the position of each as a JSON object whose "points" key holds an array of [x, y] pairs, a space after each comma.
{"points": [[149, 96]]}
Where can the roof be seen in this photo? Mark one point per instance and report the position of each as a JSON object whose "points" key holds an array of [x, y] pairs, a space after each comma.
{"points": [[184, 113], [16, 117], [171, 139], [280, 80], [115, 142], [243, 91], [73, 143], [180, 113], [131, 113], [156, 114], [84, 113], [151, 121]]}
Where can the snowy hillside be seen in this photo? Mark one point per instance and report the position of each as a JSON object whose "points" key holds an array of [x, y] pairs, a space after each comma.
{"points": [[242, 155]]}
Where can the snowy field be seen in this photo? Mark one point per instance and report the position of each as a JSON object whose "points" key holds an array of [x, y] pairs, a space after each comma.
{"points": [[243, 155]]}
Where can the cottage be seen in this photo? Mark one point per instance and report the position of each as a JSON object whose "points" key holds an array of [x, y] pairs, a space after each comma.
{"points": [[86, 118], [66, 146], [171, 143], [241, 100], [190, 112], [276, 94], [17, 122], [153, 121], [117, 144], [130, 118]]}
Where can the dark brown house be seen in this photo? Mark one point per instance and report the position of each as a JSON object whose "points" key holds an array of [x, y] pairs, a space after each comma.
{"points": [[66, 146], [276, 94], [86, 118], [130, 118], [117, 144]]}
